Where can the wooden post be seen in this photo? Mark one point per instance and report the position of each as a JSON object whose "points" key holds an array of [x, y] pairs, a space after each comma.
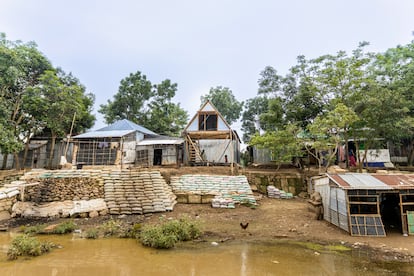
{"points": [[231, 152]]}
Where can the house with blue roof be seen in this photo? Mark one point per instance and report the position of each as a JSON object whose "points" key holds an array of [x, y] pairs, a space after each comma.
{"points": [[125, 142]]}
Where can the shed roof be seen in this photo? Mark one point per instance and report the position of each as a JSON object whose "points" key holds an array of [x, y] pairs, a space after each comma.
{"points": [[104, 134], [127, 125], [160, 140], [365, 181]]}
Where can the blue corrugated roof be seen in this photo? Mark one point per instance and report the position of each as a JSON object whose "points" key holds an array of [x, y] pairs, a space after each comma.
{"points": [[127, 125], [104, 134]]}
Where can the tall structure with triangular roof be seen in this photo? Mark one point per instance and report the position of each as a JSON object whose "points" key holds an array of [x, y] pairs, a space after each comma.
{"points": [[209, 139]]}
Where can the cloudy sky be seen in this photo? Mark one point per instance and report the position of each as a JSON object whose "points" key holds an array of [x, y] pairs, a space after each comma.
{"points": [[198, 44]]}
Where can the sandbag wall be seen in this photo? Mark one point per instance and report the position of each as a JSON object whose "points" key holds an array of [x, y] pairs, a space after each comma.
{"points": [[137, 192], [8, 196], [123, 191], [64, 185], [221, 191]]}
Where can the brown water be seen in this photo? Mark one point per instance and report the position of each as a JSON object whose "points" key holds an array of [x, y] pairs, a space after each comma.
{"points": [[127, 257]]}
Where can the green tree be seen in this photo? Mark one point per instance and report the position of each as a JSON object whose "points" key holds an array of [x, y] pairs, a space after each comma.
{"points": [[166, 117], [21, 65], [281, 143], [58, 97], [145, 104], [394, 69], [225, 102], [131, 100], [326, 133], [251, 116]]}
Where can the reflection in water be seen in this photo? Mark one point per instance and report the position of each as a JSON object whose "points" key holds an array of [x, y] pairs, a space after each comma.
{"points": [[243, 254], [127, 257]]}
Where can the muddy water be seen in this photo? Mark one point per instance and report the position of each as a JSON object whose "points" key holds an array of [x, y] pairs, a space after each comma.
{"points": [[126, 257]]}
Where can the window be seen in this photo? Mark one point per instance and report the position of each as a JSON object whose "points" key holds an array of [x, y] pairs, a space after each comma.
{"points": [[207, 121]]}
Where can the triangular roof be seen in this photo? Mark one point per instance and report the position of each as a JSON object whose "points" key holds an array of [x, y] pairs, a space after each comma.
{"points": [[208, 107]]}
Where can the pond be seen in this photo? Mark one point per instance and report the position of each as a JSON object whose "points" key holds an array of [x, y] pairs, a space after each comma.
{"points": [[111, 256]]}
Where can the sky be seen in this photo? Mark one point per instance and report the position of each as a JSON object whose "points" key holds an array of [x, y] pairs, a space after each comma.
{"points": [[198, 44]]}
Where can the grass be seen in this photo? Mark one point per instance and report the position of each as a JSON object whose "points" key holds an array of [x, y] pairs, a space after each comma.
{"points": [[92, 233], [26, 245], [64, 227], [111, 228], [166, 234]]}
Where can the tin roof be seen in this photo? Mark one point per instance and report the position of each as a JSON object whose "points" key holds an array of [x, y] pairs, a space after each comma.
{"points": [[365, 181], [157, 141], [127, 125], [104, 134]]}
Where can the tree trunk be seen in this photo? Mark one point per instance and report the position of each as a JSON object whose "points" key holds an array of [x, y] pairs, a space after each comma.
{"points": [[26, 151], [16, 161], [411, 154], [4, 165], [52, 150]]}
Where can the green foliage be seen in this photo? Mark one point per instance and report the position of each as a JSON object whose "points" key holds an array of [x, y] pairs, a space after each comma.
{"points": [[168, 233], [251, 116], [25, 245], [325, 133], [146, 104], [283, 144], [111, 228], [225, 102], [132, 232], [35, 97], [33, 230], [64, 227], [92, 233]]}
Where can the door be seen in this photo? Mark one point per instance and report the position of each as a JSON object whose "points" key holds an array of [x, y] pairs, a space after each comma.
{"points": [[157, 157]]}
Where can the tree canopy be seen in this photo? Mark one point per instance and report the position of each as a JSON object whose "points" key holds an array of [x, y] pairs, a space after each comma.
{"points": [[151, 106], [361, 95], [36, 97], [225, 102]]}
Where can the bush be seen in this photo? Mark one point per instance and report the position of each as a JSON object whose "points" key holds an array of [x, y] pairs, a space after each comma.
{"points": [[131, 232], [25, 245], [110, 228], [33, 230], [92, 233], [167, 234], [65, 227]]}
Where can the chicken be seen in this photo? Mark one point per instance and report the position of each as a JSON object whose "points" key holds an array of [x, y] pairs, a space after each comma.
{"points": [[244, 226]]}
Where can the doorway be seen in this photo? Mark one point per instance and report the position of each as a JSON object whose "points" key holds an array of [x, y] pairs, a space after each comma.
{"points": [[390, 212], [157, 157]]}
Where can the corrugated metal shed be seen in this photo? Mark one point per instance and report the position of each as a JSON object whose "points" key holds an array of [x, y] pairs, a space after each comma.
{"points": [[397, 181], [127, 125], [361, 181], [364, 181]]}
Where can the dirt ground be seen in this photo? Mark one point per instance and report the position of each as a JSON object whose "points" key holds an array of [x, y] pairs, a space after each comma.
{"points": [[284, 219]]}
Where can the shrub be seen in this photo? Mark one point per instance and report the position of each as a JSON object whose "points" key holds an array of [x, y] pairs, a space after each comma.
{"points": [[33, 230], [110, 228], [131, 232], [65, 227], [153, 236], [25, 245], [167, 234], [92, 233]]}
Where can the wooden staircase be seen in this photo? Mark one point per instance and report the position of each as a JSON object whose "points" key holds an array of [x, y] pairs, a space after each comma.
{"points": [[194, 153]]}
